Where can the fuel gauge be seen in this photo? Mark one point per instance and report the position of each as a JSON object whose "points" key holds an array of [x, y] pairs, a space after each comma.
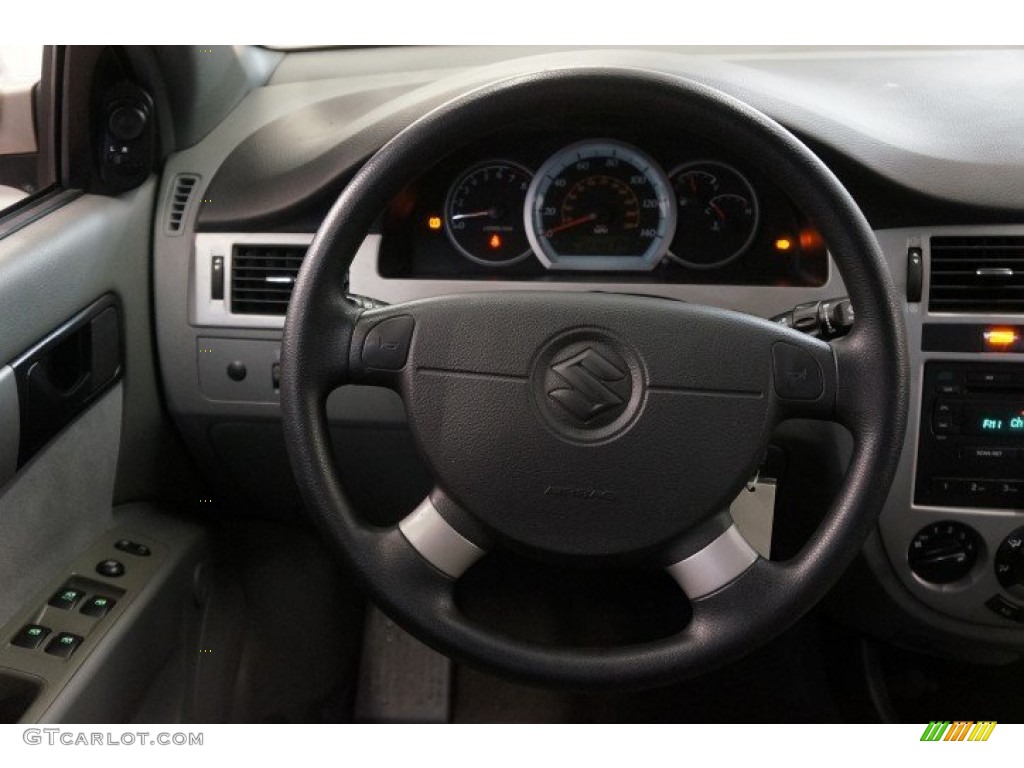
{"points": [[717, 214]]}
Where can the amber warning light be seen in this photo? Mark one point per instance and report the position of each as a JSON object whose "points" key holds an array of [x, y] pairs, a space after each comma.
{"points": [[495, 242], [783, 244], [434, 222], [1000, 338]]}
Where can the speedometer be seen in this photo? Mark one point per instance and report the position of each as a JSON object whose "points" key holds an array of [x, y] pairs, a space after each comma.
{"points": [[600, 205]]}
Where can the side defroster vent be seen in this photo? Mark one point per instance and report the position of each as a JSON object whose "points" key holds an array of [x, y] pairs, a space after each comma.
{"points": [[262, 277], [977, 274], [181, 197]]}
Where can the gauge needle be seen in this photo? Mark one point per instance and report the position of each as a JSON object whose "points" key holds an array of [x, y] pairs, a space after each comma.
{"points": [[718, 211], [473, 215], [571, 223]]}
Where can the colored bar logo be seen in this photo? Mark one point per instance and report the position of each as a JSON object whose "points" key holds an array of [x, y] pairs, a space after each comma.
{"points": [[961, 730]]}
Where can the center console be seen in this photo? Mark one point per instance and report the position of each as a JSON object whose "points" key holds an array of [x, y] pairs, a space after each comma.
{"points": [[953, 525]]}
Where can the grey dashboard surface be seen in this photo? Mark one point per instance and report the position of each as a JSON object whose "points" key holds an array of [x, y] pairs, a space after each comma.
{"points": [[934, 120]]}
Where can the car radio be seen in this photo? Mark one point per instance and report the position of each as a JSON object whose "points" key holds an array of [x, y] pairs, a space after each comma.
{"points": [[971, 451]]}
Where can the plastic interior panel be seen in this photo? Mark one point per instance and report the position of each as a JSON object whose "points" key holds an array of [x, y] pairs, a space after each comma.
{"points": [[104, 659]]}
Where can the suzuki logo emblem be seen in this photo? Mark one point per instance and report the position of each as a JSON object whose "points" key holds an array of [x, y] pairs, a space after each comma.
{"points": [[595, 385]]}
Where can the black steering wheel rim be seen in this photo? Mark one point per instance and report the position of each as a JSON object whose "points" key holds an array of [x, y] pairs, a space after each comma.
{"points": [[869, 395]]}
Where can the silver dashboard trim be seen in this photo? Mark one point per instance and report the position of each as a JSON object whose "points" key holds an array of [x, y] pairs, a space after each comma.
{"points": [[205, 311], [901, 518]]}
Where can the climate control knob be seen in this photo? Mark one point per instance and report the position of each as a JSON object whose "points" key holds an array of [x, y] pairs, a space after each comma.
{"points": [[943, 552], [1009, 563]]}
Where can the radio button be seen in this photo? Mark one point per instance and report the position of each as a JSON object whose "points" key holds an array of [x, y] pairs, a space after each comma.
{"points": [[1009, 489], [944, 486], [948, 389], [944, 425], [945, 408], [990, 378], [978, 487], [986, 453]]}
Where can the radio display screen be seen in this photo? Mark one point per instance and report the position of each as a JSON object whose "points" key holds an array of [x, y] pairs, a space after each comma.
{"points": [[994, 419]]}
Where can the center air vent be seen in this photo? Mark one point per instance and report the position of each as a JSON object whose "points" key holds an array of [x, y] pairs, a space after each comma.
{"points": [[977, 274], [262, 277]]}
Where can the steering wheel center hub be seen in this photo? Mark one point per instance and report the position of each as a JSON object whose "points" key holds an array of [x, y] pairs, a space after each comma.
{"points": [[587, 385]]}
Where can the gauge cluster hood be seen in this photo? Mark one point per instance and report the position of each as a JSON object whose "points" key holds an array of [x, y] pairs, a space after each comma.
{"points": [[890, 113]]}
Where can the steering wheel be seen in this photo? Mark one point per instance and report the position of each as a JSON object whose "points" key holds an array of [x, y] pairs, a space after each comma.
{"points": [[589, 428]]}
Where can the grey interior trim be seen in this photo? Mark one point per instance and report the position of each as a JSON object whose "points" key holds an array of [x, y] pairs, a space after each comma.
{"points": [[716, 565], [895, 92], [10, 423], [58, 502], [763, 301], [438, 543], [901, 518], [206, 82], [29, 211]]}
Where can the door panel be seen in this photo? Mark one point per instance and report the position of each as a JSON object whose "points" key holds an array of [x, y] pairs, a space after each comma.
{"points": [[51, 270]]}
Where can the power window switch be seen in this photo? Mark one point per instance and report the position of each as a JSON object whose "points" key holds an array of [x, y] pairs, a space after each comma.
{"points": [[66, 598], [64, 644], [98, 606], [30, 636]]}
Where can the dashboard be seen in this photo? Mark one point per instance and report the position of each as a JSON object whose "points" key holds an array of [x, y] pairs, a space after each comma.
{"points": [[542, 202], [613, 206]]}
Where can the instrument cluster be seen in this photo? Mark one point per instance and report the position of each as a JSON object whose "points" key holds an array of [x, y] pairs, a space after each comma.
{"points": [[540, 205]]}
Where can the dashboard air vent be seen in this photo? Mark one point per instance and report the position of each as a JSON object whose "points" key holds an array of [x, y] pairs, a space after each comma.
{"points": [[262, 277], [181, 196], [977, 274]]}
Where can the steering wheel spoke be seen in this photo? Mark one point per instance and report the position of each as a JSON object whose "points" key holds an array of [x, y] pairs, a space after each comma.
{"points": [[715, 564], [433, 531]]}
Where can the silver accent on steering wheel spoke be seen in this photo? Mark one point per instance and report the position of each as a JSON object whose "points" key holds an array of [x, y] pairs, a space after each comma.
{"points": [[437, 542], [716, 565]]}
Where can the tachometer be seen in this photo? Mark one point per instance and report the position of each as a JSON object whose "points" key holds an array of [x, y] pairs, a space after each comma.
{"points": [[718, 214], [484, 213], [600, 205]]}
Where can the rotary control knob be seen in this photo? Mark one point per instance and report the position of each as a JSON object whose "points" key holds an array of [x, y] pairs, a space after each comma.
{"points": [[944, 552], [1009, 562]]}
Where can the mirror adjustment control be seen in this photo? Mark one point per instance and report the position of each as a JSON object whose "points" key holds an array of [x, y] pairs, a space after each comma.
{"points": [[111, 568]]}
